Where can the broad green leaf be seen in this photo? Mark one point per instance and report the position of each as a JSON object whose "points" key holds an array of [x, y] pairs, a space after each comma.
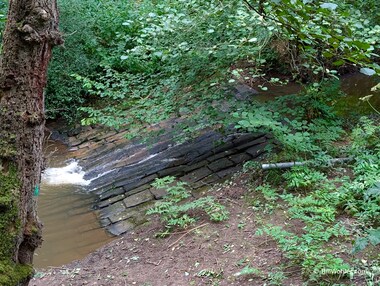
{"points": [[374, 191], [330, 6], [374, 236], [360, 244], [367, 71]]}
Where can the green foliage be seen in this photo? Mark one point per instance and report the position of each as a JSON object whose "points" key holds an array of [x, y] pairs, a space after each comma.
{"points": [[319, 37], [269, 193], [303, 178], [88, 27], [306, 250], [361, 243], [322, 199], [13, 274], [306, 132], [175, 207], [370, 10], [171, 59], [360, 195], [140, 62], [3, 17]]}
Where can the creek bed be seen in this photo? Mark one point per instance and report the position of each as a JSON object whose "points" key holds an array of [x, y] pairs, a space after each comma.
{"points": [[71, 229]]}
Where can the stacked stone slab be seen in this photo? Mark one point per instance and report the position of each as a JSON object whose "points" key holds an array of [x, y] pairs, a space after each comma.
{"points": [[122, 171]]}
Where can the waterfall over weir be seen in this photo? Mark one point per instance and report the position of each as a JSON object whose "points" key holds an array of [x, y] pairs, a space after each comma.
{"points": [[71, 228], [71, 174]]}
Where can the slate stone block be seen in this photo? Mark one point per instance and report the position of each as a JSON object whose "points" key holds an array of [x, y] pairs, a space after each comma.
{"points": [[138, 199], [195, 166], [111, 193], [240, 158], [161, 192], [221, 164], [225, 146], [241, 139], [110, 201], [221, 155], [256, 150], [256, 141], [120, 227], [104, 222], [129, 213], [140, 182], [196, 175], [228, 172], [158, 193], [112, 209], [173, 171]]}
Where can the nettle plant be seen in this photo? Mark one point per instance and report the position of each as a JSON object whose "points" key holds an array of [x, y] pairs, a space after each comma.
{"points": [[177, 208]]}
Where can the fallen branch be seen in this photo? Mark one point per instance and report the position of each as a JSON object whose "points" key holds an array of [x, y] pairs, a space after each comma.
{"points": [[186, 233], [285, 165], [154, 263]]}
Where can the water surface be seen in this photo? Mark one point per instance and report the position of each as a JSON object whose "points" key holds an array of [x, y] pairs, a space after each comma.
{"points": [[71, 229]]}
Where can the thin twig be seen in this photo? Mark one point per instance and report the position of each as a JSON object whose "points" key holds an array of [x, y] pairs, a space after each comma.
{"points": [[186, 233], [154, 263]]}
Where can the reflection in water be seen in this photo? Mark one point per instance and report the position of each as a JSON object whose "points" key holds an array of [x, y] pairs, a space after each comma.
{"points": [[71, 230], [356, 86]]}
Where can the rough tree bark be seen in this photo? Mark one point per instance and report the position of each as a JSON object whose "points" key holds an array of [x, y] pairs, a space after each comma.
{"points": [[31, 32]]}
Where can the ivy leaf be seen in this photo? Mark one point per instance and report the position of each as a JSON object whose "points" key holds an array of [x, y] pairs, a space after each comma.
{"points": [[360, 244], [374, 236], [330, 6], [374, 191], [367, 71]]}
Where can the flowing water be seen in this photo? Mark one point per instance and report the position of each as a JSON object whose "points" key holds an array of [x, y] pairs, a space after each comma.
{"points": [[71, 230]]}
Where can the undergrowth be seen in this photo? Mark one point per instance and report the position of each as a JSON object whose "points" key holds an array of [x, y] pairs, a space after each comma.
{"points": [[177, 209], [318, 194]]}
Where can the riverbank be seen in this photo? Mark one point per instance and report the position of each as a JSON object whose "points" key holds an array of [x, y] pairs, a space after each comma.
{"points": [[226, 253], [205, 254]]}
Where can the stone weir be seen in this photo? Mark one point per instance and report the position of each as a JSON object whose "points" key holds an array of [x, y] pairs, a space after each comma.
{"points": [[122, 171]]}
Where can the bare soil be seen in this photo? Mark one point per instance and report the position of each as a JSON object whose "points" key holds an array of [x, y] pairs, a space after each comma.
{"points": [[205, 254]]}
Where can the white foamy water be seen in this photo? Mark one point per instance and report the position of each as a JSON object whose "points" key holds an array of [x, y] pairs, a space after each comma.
{"points": [[72, 174]]}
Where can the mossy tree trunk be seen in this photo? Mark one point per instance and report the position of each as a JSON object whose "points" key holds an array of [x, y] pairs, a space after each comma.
{"points": [[31, 32]]}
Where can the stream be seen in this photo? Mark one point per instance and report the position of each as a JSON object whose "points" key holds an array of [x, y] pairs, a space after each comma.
{"points": [[71, 229]]}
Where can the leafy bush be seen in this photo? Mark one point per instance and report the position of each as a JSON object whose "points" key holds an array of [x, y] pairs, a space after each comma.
{"points": [[89, 28], [317, 38], [174, 208], [304, 124]]}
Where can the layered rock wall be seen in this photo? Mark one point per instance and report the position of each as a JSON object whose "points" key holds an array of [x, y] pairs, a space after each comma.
{"points": [[122, 171]]}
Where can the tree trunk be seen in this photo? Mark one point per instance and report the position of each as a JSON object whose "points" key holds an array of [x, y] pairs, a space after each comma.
{"points": [[30, 34]]}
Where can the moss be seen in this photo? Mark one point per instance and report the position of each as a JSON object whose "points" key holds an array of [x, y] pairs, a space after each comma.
{"points": [[10, 273]]}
